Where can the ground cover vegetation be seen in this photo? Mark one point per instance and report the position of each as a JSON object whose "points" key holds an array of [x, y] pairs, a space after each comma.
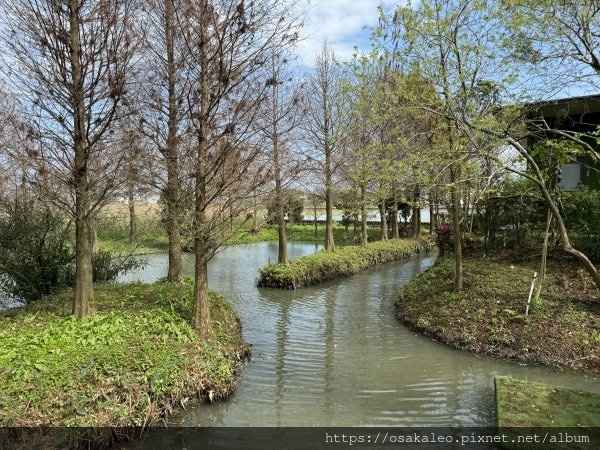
{"points": [[488, 316], [523, 407], [522, 403], [134, 363], [323, 266]]}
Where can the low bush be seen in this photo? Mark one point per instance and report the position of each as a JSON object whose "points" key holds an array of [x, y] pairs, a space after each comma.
{"points": [[37, 255], [343, 262], [35, 250]]}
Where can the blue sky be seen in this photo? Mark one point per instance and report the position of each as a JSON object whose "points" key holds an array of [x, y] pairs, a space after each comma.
{"points": [[342, 23]]}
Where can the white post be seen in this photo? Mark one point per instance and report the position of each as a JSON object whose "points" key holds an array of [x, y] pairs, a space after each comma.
{"points": [[530, 293]]}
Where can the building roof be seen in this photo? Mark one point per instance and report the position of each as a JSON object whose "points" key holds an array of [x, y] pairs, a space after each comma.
{"points": [[566, 106]]}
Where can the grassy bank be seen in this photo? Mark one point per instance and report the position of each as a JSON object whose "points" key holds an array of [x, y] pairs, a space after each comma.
{"points": [[488, 317], [132, 364], [343, 262], [113, 231], [521, 403], [525, 408], [301, 233]]}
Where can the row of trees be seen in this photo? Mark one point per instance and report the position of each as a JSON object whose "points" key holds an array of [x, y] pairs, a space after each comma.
{"points": [[101, 87], [483, 59], [203, 101]]}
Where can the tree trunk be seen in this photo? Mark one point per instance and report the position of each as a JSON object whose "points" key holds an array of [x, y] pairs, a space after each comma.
{"points": [[383, 223], [173, 225], [456, 212], [132, 218], [416, 213], [282, 254], [416, 221], [201, 311], [394, 215], [431, 216], [542, 276], [280, 208], [329, 241], [363, 213], [94, 232], [171, 153], [83, 301], [315, 216], [436, 211]]}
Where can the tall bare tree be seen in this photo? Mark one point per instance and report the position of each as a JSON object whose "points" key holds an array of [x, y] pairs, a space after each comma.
{"points": [[229, 45], [165, 85], [280, 116], [68, 60], [325, 125]]}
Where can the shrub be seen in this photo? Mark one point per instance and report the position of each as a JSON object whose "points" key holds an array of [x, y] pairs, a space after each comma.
{"points": [[37, 255], [35, 250], [582, 215]]}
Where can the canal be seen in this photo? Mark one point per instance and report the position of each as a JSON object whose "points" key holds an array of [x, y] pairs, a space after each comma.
{"points": [[334, 354]]}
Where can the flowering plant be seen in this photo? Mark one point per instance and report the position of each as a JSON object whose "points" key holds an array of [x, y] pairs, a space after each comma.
{"points": [[444, 238]]}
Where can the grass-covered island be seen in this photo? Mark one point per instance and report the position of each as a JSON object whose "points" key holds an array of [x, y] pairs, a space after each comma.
{"points": [[131, 365], [345, 261], [488, 317]]}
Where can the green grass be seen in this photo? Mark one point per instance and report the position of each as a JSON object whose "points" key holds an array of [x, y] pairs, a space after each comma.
{"points": [[344, 261], [488, 316], [113, 233], [301, 233], [525, 405], [135, 361], [113, 236]]}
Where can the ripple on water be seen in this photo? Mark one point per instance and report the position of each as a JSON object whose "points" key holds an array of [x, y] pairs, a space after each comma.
{"points": [[334, 355]]}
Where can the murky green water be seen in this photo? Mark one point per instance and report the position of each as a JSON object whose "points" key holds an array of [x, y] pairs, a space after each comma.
{"points": [[334, 355]]}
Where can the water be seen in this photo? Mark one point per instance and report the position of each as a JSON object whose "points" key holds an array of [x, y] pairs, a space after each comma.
{"points": [[334, 354]]}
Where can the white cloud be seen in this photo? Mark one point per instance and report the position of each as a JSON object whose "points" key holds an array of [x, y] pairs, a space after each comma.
{"points": [[342, 23]]}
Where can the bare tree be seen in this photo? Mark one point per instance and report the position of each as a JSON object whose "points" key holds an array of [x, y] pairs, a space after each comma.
{"points": [[229, 46], [165, 85], [68, 61], [279, 118], [325, 126]]}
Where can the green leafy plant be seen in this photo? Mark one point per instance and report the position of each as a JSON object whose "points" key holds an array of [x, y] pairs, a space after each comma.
{"points": [[37, 253], [35, 249]]}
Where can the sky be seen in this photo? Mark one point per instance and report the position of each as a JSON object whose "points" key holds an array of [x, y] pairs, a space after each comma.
{"points": [[342, 23]]}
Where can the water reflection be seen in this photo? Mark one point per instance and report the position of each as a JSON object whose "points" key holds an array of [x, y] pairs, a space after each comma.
{"points": [[334, 355]]}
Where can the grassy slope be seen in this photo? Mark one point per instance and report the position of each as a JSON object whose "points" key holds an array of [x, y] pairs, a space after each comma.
{"points": [[136, 360], [562, 329], [523, 403]]}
